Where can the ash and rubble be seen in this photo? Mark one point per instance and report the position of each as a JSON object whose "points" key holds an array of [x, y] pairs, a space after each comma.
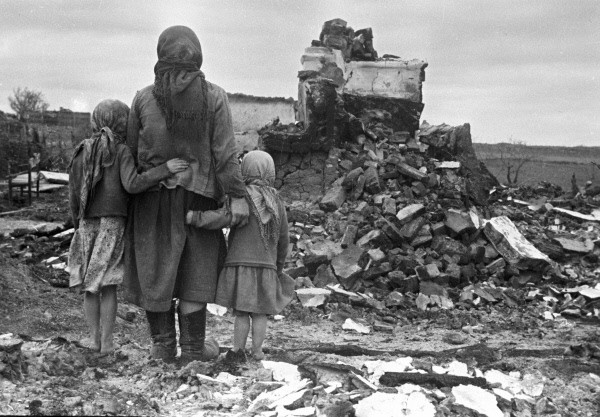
{"points": [[392, 221]]}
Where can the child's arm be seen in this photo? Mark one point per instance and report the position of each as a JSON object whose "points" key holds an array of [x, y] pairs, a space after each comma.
{"points": [[133, 128], [136, 183], [74, 187], [284, 241], [74, 203]]}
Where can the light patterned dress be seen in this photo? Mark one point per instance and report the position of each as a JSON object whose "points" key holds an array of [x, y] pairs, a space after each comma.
{"points": [[96, 253]]}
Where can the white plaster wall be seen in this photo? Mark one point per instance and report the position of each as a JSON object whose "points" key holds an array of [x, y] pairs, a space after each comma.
{"points": [[388, 78], [249, 114]]}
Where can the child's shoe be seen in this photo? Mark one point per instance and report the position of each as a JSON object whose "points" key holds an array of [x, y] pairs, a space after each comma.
{"points": [[235, 356]]}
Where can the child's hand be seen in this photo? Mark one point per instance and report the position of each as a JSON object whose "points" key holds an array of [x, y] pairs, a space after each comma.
{"points": [[188, 217], [177, 165]]}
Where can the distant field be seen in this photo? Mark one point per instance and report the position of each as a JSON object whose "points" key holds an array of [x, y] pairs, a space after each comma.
{"points": [[548, 163]]}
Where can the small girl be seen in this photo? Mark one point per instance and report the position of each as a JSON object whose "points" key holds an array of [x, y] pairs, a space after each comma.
{"points": [[252, 281], [101, 174]]}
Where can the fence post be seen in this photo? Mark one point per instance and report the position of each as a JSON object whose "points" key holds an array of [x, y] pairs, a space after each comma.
{"points": [[29, 183]]}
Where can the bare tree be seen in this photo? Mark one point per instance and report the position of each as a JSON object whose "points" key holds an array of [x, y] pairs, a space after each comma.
{"points": [[25, 100], [514, 155]]}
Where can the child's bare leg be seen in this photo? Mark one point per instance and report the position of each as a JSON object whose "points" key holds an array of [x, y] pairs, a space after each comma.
{"points": [[108, 314], [91, 311], [241, 328], [259, 332]]}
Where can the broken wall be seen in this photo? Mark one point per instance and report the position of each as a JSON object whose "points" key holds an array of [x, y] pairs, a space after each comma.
{"points": [[251, 112]]}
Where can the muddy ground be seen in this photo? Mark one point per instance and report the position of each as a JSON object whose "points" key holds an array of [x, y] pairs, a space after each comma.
{"points": [[63, 378]]}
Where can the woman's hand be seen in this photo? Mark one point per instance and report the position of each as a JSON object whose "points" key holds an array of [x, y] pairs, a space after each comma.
{"points": [[177, 165]]}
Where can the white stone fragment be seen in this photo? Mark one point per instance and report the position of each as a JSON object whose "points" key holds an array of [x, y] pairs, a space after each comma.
{"points": [[507, 382], [312, 297], [376, 369], [379, 404], [477, 399], [532, 385], [283, 371], [350, 324]]}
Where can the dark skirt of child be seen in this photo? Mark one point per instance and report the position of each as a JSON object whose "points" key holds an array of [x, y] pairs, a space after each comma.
{"points": [[254, 289], [166, 258], [96, 253]]}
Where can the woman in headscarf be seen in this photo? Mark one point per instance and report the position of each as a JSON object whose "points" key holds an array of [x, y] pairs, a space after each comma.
{"points": [[181, 115], [252, 281], [101, 174]]}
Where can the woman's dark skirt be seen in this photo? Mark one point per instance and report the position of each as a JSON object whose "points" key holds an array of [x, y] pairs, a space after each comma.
{"points": [[164, 257]]}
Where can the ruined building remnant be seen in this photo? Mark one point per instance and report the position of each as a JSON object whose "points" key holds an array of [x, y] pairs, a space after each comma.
{"points": [[358, 132], [344, 91]]}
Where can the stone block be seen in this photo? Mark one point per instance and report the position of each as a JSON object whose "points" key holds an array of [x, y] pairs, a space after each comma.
{"points": [[345, 266], [377, 271], [392, 232], [410, 172], [389, 206], [427, 272], [349, 235], [350, 180], [421, 240], [376, 255], [409, 212], [512, 245], [372, 235], [407, 284], [312, 297], [459, 222], [324, 277], [419, 189], [372, 182], [445, 245], [313, 261], [394, 299], [411, 229], [333, 199]]}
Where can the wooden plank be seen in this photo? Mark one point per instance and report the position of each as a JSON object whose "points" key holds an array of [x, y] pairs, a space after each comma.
{"points": [[55, 177]]}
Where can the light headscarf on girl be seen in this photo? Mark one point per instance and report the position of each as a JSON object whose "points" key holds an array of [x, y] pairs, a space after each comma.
{"points": [[258, 171], [109, 125]]}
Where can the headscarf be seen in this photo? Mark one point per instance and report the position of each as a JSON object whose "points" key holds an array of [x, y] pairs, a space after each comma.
{"points": [[179, 86], [258, 171], [109, 125]]}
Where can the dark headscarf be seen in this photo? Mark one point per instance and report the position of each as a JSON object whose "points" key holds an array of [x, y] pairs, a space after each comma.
{"points": [[179, 86], [109, 124]]}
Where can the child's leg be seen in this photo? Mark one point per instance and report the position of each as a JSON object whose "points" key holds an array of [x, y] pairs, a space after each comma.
{"points": [[108, 314], [91, 311], [241, 328], [259, 332]]}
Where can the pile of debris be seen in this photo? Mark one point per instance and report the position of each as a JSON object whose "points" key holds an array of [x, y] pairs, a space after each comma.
{"points": [[387, 212]]}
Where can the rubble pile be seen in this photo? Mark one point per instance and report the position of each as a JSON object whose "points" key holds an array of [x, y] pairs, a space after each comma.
{"points": [[389, 213], [424, 224]]}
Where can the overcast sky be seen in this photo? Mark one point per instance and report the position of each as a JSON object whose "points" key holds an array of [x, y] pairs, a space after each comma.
{"points": [[527, 70]]}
